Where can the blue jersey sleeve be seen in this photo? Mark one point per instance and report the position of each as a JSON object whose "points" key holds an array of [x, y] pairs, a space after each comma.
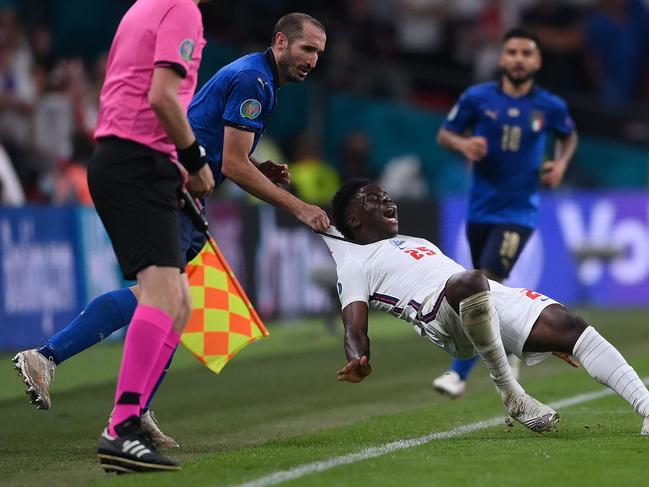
{"points": [[560, 120], [463, 115], [247, 103]]}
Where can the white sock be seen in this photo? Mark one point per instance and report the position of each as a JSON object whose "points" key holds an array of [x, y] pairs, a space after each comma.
{"points": [[480, 321], [606, 365]]}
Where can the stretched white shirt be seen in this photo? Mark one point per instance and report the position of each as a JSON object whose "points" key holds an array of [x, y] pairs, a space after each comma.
{"points": [[399, 275]]}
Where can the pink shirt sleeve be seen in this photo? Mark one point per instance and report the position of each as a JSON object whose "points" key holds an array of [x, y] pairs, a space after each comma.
{"points": [[178, 36]]}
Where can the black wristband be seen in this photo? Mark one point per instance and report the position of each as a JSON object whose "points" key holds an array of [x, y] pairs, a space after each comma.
{"points": [[192, 157]]}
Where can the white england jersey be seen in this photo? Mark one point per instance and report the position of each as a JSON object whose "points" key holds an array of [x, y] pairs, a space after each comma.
{"points": [[405, 276], [398, 275]]}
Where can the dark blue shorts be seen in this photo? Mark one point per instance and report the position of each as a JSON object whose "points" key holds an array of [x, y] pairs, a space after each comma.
{"points": [[496, 247]]}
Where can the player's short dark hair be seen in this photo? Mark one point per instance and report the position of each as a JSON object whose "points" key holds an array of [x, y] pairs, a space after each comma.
{"points": [[341, 201], [292, 26], [522, 33]]}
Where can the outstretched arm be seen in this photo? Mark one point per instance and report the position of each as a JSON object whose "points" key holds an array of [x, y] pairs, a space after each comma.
{"points": [[357, 343]]}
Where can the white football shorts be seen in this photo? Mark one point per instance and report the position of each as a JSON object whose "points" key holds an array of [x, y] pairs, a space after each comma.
{"points": [[518, 309]]}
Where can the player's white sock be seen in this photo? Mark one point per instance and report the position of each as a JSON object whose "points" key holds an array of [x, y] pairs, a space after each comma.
{"points": [[480, 320], [606, 365]]}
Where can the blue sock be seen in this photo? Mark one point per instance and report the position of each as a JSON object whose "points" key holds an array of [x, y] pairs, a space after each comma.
{"points": [[103, 315], [464, 366], [157, 384]]}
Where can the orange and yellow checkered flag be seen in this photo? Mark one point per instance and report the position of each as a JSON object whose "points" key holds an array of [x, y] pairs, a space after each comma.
{"points": [[223, 320]]}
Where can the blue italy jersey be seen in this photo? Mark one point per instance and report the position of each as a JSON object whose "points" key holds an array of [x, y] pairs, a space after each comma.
{"points": [[242, 95], [505, 183]]}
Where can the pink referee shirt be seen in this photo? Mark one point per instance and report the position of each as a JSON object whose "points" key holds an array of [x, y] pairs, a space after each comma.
{"points": [[152, 33]]}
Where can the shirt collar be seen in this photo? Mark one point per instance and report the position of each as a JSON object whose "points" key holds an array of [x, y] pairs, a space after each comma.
{"points": [[270, 59]]}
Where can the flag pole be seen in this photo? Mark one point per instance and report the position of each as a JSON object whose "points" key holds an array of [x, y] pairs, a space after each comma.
{"points": [[200, 223]]}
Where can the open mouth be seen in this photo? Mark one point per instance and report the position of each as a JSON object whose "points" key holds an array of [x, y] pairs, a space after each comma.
{"points": [[391, 214], [303, 71]]}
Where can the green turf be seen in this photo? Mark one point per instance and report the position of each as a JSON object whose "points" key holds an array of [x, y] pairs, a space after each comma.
{"points": [[278, 405]]}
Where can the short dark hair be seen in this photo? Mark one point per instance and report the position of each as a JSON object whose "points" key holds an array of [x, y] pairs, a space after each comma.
{"points": [[522, 33], [292, 26], [341, 201]]}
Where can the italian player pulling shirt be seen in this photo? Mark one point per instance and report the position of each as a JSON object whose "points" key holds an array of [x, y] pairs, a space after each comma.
{"points": [[241, 95], [505, 183], [153, 33]]}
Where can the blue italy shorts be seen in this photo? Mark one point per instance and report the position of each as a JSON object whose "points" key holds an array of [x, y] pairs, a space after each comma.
{"points": [[496, 247]]}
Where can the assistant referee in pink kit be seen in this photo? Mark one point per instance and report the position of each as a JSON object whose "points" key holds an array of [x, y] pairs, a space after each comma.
{"points": [[145, 151]]}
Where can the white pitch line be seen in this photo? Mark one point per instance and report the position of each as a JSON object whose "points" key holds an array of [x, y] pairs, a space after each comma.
{"points": [[377, 451]]}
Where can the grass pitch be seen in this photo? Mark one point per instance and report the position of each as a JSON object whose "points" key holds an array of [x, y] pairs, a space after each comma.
{"points": [[278, 406]]}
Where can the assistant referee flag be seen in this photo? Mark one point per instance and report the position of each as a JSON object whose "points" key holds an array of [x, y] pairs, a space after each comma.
{"points": [[223, 320]]}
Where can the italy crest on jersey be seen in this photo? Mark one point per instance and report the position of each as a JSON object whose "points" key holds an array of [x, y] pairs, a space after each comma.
{"points": [[537, 120]]}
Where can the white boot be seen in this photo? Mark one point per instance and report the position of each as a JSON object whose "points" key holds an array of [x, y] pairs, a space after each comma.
{"points": [[450, 384], [37, 373]]}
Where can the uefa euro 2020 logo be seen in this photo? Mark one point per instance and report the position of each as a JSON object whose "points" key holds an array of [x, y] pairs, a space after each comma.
{"points": [[186, 49], [250, 109]]}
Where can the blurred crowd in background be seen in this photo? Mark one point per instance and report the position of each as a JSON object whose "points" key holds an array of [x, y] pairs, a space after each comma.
{"points": [[417, 52]]}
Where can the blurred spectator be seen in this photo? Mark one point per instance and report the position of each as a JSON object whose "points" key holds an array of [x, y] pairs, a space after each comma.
{"points": [[41, 42], [86, 98], [54, 118], [312, 179], [17, 90], [558, 26], [420, 26], [380, 74], [11, 192], [384, 76], [403, 178], [71, 184], [617, 36], [355, 157]]}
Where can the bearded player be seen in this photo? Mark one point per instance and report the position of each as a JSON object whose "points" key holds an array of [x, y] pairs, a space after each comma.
{"points": [[460, 311]]}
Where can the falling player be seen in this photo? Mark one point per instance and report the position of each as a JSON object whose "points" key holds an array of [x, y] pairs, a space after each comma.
{"points": [[460, 311]]}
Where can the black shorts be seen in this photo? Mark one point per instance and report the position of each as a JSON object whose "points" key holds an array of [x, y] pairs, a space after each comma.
{"points": [[135, 191], [496, 247]]}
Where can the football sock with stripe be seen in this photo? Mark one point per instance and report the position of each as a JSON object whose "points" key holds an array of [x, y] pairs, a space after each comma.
{"points": [[104, 315], [480, 321], [145, 339], [606, 365], [160, 369]]}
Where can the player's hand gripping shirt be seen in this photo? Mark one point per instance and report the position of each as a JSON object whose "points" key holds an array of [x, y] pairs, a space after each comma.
{"points": [[505, 183], [241, 95], [399, 275], [153, 33]]}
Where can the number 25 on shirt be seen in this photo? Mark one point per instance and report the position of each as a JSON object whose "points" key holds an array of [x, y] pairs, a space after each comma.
{"points": [[419, 252]]}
